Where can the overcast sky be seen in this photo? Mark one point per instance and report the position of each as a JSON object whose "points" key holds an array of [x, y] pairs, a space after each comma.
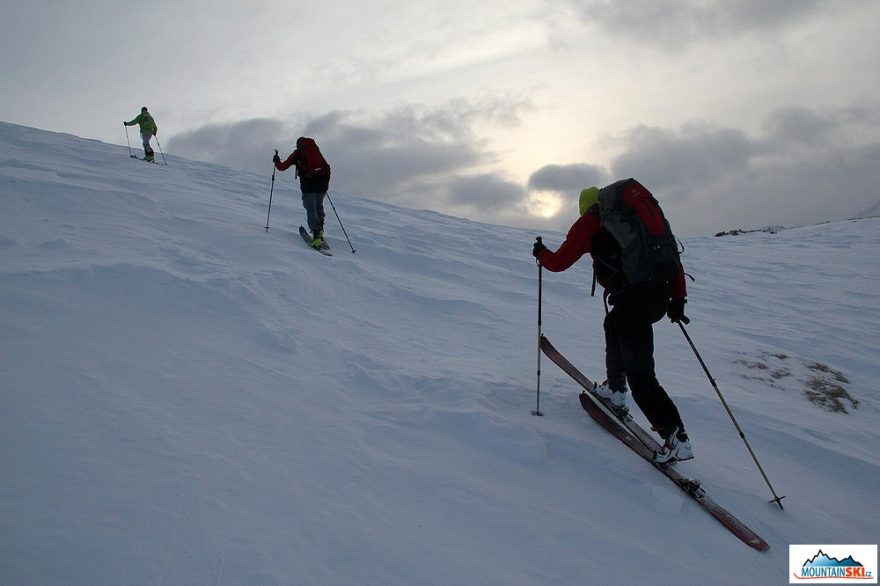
{"points": [[735, 114]]}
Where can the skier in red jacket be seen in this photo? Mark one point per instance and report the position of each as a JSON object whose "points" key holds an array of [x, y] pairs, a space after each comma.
{"points": [[629, 333], [314, 181]]}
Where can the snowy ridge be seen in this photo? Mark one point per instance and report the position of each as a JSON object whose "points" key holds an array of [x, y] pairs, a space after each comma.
{"points": [[870, 212], [189, 399]]}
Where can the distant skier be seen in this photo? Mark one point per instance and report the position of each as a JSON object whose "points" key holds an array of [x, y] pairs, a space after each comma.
{"points": [[629, 335], [314, 181], [148, 131]]}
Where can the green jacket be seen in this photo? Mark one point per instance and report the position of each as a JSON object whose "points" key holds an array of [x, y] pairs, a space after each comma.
{"points": [[146, 122]]}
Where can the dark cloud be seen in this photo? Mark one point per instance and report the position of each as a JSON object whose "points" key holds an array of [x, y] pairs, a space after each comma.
{"points": [[567, 179], [675, 23], [487, 193], [680, 161], [799, 125], [246, 144], [391, 157], [808, 165], [382, 161], [817, 127], [417, 157], [825, 184], [805, 165]]}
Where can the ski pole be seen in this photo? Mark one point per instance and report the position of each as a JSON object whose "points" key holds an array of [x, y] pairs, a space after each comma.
{"points": [[130, 154], [340, 224], [537, 410], [776, 499], [160, 151], [271, 189]]}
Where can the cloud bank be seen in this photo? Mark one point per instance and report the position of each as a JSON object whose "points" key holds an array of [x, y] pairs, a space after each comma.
{"points": [[805, 165]]}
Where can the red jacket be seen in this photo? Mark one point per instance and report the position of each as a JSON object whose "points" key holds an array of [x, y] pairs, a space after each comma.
{"points": [[308, 182], [579, 241]]}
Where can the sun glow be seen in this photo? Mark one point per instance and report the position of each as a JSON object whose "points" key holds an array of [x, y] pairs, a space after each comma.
{"points": [[546, 205]]}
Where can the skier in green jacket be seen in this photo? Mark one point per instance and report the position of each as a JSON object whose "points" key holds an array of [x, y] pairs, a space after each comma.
{"points": [[148, 131]]}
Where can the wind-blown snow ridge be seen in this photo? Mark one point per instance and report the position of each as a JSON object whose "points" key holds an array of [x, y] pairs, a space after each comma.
{"points": [[189, 399]]}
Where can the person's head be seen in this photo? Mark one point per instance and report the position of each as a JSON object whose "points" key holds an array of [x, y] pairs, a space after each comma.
{"points": [[143, 110], [589, 198]]}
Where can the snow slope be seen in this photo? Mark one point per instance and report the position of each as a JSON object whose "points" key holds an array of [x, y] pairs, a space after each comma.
{"points": [[189, 399]]}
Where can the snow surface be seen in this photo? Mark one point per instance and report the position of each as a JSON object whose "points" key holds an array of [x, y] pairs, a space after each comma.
{"points": [[190, 399]]}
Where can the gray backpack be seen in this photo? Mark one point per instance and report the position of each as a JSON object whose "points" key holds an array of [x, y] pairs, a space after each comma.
{"points": [[648, 250]]}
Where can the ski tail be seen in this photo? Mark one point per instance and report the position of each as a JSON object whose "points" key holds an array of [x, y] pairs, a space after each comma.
{"points": [[324, 249], [634, 436]]}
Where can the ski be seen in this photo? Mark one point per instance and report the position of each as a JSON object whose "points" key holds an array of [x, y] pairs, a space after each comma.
{"points": [[623, 417], [146, 161], [325, 248], [633, 435]]}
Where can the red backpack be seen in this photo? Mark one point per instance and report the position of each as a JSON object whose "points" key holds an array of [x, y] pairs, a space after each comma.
{"points": [[310, 163], [648, 249]]}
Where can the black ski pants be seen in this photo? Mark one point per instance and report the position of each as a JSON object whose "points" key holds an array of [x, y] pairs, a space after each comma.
{"points": [[629, 351]]}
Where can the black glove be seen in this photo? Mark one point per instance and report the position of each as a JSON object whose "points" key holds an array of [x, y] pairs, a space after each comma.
{"points": [[276, 158], [675, 311], [538, 248]]}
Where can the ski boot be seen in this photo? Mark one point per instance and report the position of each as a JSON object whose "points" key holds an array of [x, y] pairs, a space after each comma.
{"points": [[676, 446], [616, 397]]}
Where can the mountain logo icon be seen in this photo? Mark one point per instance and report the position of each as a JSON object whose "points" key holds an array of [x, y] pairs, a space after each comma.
{"points": [[822, 567], [823, 559]]}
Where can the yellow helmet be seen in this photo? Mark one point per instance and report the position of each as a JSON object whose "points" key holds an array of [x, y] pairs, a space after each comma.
{"points": [[589, 198]]}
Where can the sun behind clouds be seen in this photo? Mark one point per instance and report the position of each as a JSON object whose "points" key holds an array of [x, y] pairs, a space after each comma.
{"points": [[545, 205]]}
